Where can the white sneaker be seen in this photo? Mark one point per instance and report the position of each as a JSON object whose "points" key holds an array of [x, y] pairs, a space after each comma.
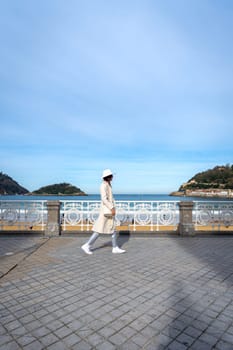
{"points": [[86, 249], [118, 250]]}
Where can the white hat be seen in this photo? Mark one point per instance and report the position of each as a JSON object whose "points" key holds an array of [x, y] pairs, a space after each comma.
{"points": [[107, 172]]}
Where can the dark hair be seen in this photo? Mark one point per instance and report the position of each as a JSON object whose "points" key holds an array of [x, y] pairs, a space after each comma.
{"points": [[108, 178]]}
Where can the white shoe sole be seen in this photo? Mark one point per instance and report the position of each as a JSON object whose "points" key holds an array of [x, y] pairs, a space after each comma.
{"points": [[118, 252], [87, 251]]}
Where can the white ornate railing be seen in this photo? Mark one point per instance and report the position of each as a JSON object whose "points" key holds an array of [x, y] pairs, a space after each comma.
{"points": [[133, 215], [213, 214], [22, 215], [79, 215]]}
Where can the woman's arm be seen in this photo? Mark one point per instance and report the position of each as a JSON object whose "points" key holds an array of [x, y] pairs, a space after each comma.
{"points": [[105, 198]]}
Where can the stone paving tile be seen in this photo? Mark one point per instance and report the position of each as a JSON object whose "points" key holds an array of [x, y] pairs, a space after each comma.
{"points": [[221, 345], [15, 249], [164, 293], [106, 345], [16, 244], [10, 346]]}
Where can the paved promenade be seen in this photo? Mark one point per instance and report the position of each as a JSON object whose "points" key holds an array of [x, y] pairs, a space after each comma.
{"points": [[164, 293]]}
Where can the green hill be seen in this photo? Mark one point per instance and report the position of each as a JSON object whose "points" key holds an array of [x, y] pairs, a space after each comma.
{"points": [[62, 189], [220, 177], [8, 186]]}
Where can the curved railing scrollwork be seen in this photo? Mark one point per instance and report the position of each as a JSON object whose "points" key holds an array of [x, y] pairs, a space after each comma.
{"points": [[79, 215], [213, 214], [130, 215], [23, 215]]}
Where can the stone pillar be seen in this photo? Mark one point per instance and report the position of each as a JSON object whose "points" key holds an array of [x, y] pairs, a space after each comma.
{"points": [[186, 226], [53, 227]]}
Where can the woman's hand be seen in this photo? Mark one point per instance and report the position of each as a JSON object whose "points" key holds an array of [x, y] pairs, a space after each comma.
{"points": [[113, 211]]}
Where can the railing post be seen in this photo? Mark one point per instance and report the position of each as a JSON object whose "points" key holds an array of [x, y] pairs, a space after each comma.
{"points": [[186, 226], [53, 227]]}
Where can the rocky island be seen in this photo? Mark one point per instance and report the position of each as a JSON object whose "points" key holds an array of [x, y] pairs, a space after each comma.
{"points": [[8, 186], [212, 183], [62, 189]]}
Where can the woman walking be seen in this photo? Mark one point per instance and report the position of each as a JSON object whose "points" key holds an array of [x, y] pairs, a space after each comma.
{"points": [[105, 224]]}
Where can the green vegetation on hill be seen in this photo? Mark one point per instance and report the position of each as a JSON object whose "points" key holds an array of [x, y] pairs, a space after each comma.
{"points": [[220, 177], [9, 186], [59, 189]]}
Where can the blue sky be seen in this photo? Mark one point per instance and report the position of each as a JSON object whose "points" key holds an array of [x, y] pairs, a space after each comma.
{"points": [[142, 87]]}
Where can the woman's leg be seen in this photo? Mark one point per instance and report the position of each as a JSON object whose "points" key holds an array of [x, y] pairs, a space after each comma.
{"points": [[114, 239], [115, 248], [86, 247], [93, 238]]}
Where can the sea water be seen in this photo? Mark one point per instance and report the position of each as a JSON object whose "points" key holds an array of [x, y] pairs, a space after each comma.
{"points": [[117, 197]]}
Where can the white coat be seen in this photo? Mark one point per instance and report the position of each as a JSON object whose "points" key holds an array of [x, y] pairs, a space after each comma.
{"points": [[105, 224]]}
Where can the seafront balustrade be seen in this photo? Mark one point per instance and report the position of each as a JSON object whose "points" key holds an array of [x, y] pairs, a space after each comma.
{"points": [[55, 217], [214, 215], [131, 215], [17, 215]]}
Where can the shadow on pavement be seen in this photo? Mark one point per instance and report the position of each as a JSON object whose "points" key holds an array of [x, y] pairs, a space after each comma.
{"points": [[202, 299], [123, 238]]}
